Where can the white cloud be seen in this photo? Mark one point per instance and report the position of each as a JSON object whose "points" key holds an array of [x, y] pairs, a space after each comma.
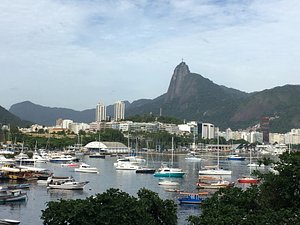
{"points": [[75, 53]]}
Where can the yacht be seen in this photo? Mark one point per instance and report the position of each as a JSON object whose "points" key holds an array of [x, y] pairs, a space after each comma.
{"points": [[85, 168]]}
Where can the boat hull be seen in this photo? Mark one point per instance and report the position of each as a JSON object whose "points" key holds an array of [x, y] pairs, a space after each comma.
{"points": [[175, 174], [21, 197], [248, 180], [66, 186]]}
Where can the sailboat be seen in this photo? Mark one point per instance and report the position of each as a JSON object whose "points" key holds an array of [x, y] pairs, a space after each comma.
{"points": [[193, 156], [165, 171], [146, 169], [215, 170], [249, 179]]}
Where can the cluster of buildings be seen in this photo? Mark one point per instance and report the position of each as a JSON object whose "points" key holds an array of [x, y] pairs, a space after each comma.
{"points": [[258, 134]]}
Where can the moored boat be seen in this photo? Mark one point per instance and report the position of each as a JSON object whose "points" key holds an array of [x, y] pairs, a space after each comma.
{"points": [[248, 180], [236, 157], [191, 198], [9, 222], [145, 169], [168, 183], [85, 168], [12, 195], [68, 185]]}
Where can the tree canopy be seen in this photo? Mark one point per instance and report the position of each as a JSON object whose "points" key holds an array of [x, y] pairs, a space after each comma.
{"points": [[275, 201], [112, 207]]}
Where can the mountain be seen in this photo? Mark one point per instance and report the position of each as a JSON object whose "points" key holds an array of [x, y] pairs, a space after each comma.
{"points": [[48, 115], [8, 118], [191, 96]]}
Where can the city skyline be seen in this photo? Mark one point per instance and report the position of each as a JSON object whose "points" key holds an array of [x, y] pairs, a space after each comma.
{"points": [[71, 53]]}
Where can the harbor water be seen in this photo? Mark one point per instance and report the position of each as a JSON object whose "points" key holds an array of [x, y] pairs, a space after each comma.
{"points": [[29, 211]]}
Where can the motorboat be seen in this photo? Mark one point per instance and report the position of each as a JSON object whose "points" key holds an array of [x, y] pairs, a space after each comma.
{"points": [[85, 168], [12, 195], [97, 155], [235, 157], [168, 183], [68, 185], [191, 198], [62, 158], [65, 183], [9, 222], [248, 180], [4, 160], [193, 156], [71, 164], [127, 166], [215, 185], [165, 171]]}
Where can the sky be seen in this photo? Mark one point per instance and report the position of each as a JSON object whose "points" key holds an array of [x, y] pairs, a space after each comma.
{"points": [[77, 53]]}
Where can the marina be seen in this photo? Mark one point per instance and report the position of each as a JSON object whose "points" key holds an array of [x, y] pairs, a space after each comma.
{"points": [[29, 211]]}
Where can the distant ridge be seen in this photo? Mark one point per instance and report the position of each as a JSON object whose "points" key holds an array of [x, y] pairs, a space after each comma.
{"points": [[48, 115], [7, 118], [191, 96]]}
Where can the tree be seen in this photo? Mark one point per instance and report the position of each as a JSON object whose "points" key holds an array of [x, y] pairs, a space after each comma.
{"points": [[112, 207], [275, 201]]}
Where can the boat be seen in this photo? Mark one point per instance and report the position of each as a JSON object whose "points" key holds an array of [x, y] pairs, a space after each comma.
{"points": [[71, 164], [165, 171], [18, 186], [9, 222], [215, 170], [54, 179], [4, 160], [97, 155], [191, 198], [67, 184], [215, 185], [85, 168], [12, 195], [248, 180], [37, 157], [168, 183], [235, 157], [192, 156], [172, 190], [62, 158], [127, 165], [146, 170]]}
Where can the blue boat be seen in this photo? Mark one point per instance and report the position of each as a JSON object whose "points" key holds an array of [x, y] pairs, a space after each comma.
{"points": [[191, 198]]}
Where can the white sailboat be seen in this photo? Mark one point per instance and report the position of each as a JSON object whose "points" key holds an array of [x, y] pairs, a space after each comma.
{"points": [[216, 170], [165, 171]]}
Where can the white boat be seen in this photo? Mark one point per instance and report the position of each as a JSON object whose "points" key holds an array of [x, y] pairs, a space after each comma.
{"points": [[127, 166], [9, 222], [168, 183], [193, 156], [4, 160], [62, 158], [68, 185], [85, 168], [216, 170]]}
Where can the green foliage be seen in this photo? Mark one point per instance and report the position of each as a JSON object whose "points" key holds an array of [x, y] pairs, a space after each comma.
{"points": [[275, 201], [151, 118], [112, 207]]}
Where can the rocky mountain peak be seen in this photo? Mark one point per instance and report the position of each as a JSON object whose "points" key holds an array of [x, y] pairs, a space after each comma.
{"points": [[180, 72]]}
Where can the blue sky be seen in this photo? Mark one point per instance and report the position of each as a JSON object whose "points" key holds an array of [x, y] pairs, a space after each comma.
{"points": [[75, 53]]}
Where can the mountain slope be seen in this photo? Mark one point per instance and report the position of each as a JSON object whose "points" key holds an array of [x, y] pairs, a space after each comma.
{"points": [[280, 103], [193, 97], [8, 118]]}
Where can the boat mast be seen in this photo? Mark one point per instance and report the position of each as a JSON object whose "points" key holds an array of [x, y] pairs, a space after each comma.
{"points": [[218, 151], [172, 151]]}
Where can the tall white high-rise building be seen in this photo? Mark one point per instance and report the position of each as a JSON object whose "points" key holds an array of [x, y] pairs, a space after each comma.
{"points": [[119, 111], [100, 112]]}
